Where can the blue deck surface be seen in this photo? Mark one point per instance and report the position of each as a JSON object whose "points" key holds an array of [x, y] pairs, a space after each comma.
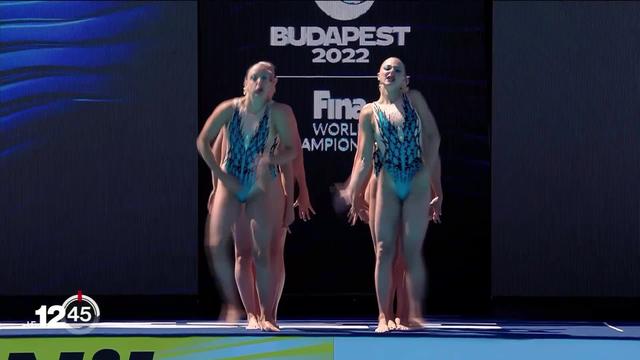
{"points": [[441, 338], [434, 327]]}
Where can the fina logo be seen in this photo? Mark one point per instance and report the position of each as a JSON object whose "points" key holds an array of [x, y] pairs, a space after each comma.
{"points": [[344, 10]]}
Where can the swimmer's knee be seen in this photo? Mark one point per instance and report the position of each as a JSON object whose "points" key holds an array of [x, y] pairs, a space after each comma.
{"points": [[412, 256], [385, 250], [261, 255], [245, 258]]}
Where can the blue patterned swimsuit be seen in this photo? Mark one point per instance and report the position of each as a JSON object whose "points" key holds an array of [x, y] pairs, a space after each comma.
{"points": [[398, 147], [242, 158]]}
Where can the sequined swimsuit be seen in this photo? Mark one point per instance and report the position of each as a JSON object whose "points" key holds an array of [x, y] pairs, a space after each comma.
{"points": [[242, 158], [398, 147]]}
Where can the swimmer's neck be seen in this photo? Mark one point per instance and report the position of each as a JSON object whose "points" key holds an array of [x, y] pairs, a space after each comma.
{"points": [[389, 96]]}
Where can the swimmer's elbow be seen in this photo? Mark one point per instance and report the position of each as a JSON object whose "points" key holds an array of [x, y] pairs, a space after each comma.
{"points": [[434, 139], [365, 164], [200, 143]]}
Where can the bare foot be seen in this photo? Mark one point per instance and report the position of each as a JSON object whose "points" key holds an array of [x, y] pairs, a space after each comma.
{"points": [[269, 326], [252, 322], [382, 326], [400, 325], [406, 324], [391, 325], [414, 324]]}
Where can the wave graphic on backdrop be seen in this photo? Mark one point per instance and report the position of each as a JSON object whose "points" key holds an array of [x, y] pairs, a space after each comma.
{"points": [[57, 56]]}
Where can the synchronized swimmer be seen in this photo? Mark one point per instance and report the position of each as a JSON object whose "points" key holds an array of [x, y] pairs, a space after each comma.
{"points": [[252, 141]]}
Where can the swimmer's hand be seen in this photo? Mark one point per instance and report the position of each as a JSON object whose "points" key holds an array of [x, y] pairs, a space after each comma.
{"points": [[304, 207], [359, 209], [435, 209]]}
